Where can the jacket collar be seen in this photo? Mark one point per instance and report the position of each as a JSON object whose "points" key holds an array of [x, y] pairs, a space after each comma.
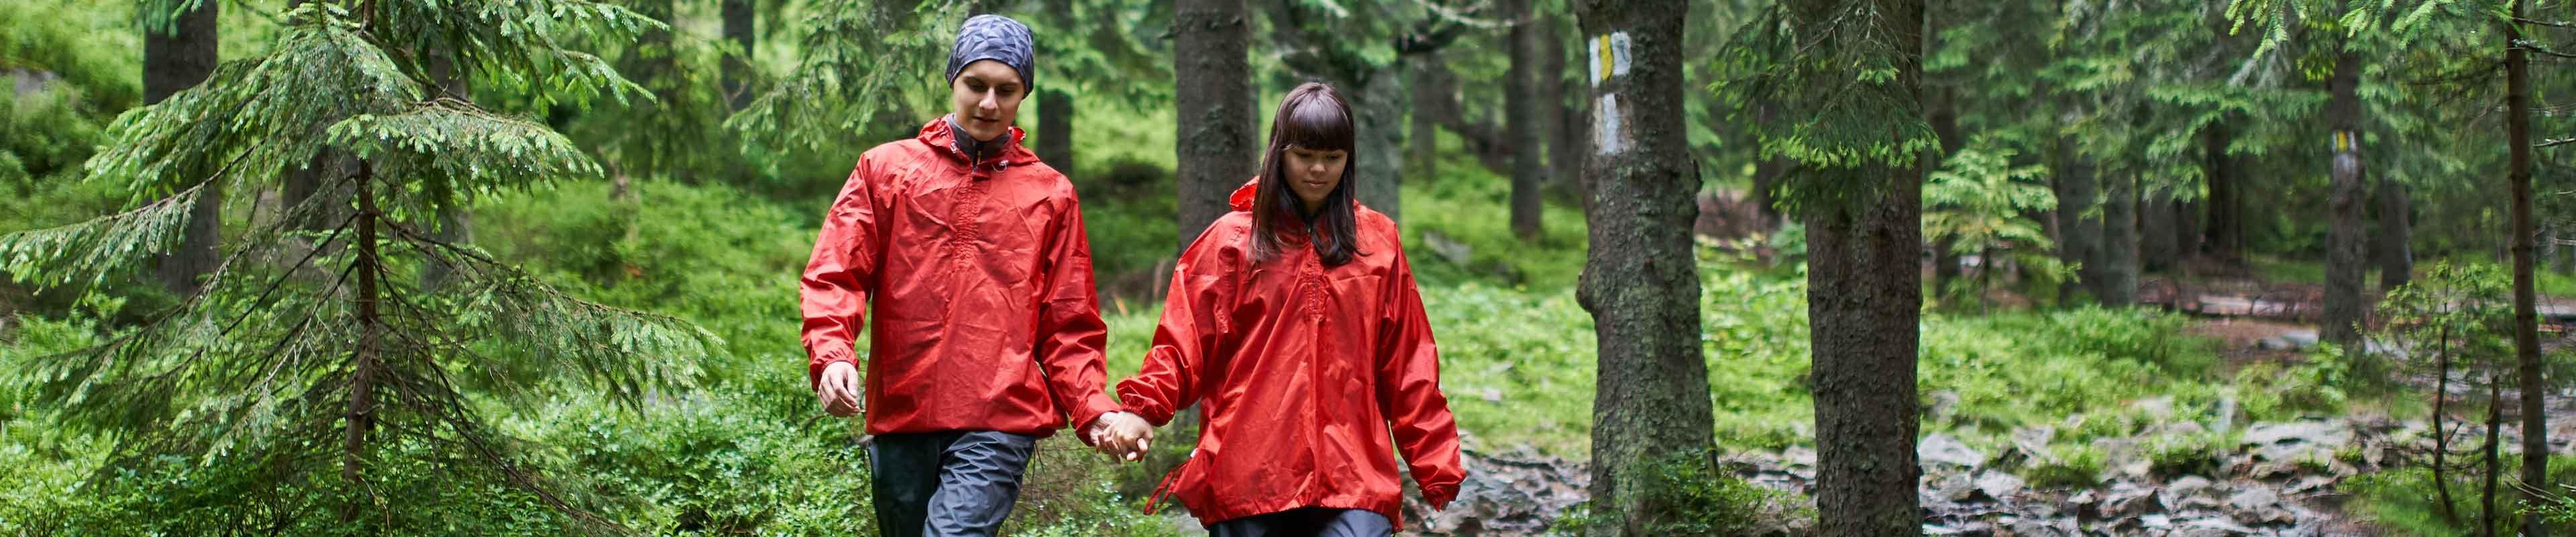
{"points": [[943, 139]]}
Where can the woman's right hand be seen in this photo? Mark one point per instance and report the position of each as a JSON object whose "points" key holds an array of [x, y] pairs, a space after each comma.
{"points": [[839, 390]]}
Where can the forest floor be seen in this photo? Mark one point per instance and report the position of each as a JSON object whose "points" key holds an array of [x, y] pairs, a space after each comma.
{"points": [[2180, 471]]}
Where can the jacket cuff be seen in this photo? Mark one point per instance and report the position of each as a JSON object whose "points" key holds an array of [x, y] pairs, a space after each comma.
{"points": [[1440, 494], [1089, 410], [821, 359]]}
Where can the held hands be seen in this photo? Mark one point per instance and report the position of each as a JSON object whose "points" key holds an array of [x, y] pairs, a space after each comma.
{"points": [[839, 390], [1121, 435]]}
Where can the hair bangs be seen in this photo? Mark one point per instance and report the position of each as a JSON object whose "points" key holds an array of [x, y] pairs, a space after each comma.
{"points": [[1316, 121]]}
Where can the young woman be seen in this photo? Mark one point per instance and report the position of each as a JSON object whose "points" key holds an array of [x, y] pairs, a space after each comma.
{"points": [[1295, 322]]}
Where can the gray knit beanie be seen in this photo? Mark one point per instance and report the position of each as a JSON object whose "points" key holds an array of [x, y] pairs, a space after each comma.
{"points": [[997, 38]]}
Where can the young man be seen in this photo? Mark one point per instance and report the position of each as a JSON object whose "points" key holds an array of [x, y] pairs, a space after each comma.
{"points": [[988, 333]]}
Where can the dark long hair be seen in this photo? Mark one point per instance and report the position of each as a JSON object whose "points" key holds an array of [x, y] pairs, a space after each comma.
{"points": [[1313, 117]]}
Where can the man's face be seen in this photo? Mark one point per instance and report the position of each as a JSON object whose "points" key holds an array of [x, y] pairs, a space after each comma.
{"points": [[987, 97]]}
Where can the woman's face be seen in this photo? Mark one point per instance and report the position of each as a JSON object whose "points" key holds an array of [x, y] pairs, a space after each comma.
{"points": [[1313, 174]]}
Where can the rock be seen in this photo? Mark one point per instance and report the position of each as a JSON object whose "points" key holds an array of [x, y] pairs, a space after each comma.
{"points": [[2158, 408], [1955, 488], [1456, 253], [2123, 457], [2312, 484], [2212, 527], [2156, 521], [2226, 414], [2298, 441], [1945, 403], [1998, 485], [2256, 506], [2032, 443], [1942, 449], [2127, 499], [2304, 431], [2182, 488]]}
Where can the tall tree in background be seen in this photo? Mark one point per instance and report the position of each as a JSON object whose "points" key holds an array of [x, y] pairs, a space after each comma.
{"points": [[1851, 72], [1527, 126], [1559, 118], [2390, 250], [1212, 90], [1055, 104], [741, 35], [180, 48], [1640, 277], [290, 377], [2345, 304], [1428, 88], [2526, 322], [1093, 48]]}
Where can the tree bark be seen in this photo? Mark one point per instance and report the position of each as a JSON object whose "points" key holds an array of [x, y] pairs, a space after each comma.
{"points": [[1640, 280], [1430, 78], [2118, 253], [1944, 116], [2526, 334], [2396, 259], [1564, 156], [360, 417], [2186, 230], [2157, 251], [1380, 106], [1767, 172], [1527, 127], [2344, 302], [455, 219], [738, 29], [1213, 92], [1863, 302], [2224, 231], [175, 60], [2082, 233], [1055, 128]]}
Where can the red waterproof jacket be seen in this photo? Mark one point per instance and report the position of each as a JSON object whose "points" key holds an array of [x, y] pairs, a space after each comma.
{"points": [[980, 279], [1303, 370]]}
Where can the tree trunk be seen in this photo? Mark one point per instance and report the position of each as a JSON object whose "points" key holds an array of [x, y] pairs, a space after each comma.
{"points": [[1379, 101], [738, 29], [360, 418], [2224, 232], [2396, 257], [1430, 78], [1767, 172], [173, 60], [1944, 116], [2344, 302], [2082, 232], [1212, 89], [1528, 128], [1640, 280], [456, 218], [2526, 334], [2186, 230], [2157, 251], [2442, 437], [1863, 305], [1564, 157], [1574, 137], [2495, 463], [1055, 128], [2116, 258]]}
